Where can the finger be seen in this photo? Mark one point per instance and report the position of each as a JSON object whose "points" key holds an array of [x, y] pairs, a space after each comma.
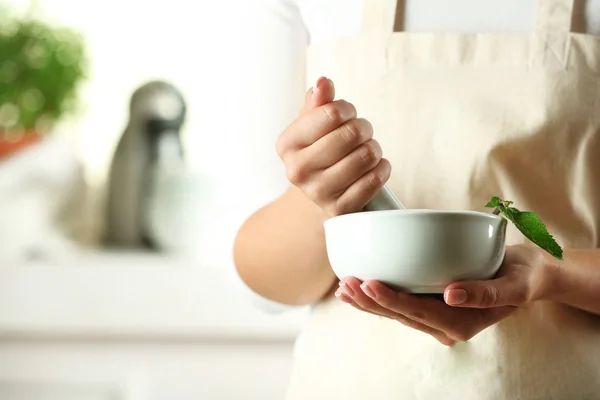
{"points": [[509, 290], [307, 97], [437, 334], [322, 93], [314, 124], [336, 145], [458, 323], [352, 167], [346, 299], [350, 289], [364, 189], [346, 295]]}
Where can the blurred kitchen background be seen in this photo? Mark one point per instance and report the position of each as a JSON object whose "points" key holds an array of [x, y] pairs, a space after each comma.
{"points": [[119, 200]]}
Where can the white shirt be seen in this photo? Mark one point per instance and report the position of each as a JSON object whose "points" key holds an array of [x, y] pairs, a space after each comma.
{"points": [[273, 37]]}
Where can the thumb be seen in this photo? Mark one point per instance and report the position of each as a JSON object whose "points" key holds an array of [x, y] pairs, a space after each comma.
{"points": [[508, 290], [322, 93]]}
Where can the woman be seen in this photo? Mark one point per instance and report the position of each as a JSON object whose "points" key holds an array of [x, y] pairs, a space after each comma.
{"points": [[460, 117]]}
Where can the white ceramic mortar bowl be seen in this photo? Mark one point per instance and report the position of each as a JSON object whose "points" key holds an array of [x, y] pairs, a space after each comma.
{"points": [[417, 251]]}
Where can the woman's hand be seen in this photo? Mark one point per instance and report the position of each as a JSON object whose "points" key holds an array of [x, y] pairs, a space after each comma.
{"points": [[468, 307], [331, 155]]}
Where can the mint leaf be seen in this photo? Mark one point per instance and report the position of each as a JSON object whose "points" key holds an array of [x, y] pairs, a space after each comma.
{"points": [[494, 202], [529, 224]]}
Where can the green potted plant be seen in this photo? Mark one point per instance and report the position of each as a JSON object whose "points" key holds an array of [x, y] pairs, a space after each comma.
{"points": [[41, 66]]}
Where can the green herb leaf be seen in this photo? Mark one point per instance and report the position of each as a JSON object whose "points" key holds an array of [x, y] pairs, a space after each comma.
{"points": [[494, 202], [529, 224]]}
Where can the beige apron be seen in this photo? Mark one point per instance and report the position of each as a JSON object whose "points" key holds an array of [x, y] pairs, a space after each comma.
{"points": [[463, 117]]}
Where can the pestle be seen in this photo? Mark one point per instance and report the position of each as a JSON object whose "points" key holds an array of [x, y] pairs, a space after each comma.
{"points": [[384, 200]]}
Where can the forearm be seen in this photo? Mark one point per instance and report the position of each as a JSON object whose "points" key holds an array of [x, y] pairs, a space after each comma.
{"points": [[280, 251], [575, 281]]}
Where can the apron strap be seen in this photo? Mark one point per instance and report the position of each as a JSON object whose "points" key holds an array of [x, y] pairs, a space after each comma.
{"points": [[386, 16], [554, 16], [382, 16], [552, 42]]}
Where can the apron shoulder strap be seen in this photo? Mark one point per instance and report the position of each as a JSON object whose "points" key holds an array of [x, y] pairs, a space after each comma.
{"points": [[382, 16], [387, 16], [555, 16]]}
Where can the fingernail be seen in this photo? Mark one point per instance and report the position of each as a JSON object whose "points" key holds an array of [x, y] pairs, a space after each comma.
{"points": [[345, 289], [343, 297], [320, 83], [368, 291], [455, 297]]}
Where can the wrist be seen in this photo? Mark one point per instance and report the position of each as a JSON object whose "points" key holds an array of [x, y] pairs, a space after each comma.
{"points": [[551, 282]]}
